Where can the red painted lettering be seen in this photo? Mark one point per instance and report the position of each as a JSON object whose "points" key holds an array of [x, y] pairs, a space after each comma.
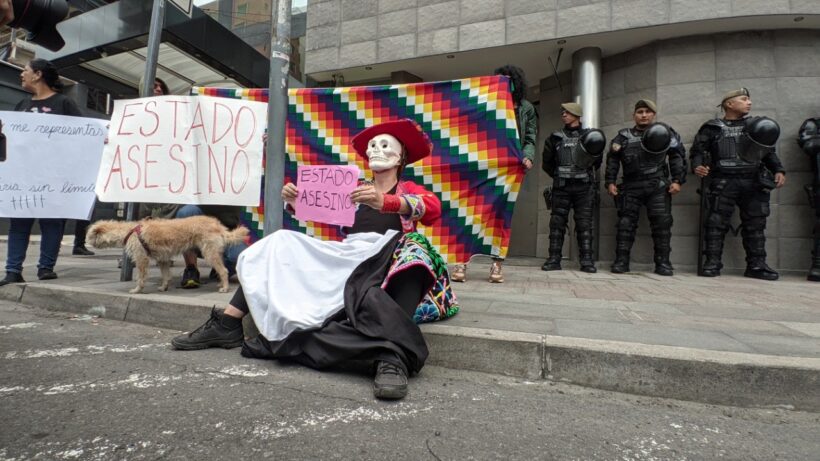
{"points": [[147, 162], [156, 118], [247, 175], [125, 115], [176, 106], [184, 169], [213, 164], [200, 125], [214, 138], [238, 123], [116, 167], [137, 164]]}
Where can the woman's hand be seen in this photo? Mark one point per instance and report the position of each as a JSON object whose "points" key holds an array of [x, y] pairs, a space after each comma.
{"points": [[368, 195], [289, 194]]}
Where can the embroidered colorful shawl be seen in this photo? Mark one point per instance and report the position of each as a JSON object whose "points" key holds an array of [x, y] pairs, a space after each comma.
{"points": [[475, 168]]}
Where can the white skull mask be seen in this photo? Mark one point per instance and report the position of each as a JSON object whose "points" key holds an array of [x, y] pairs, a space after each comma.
{"points": [[384, 152]]}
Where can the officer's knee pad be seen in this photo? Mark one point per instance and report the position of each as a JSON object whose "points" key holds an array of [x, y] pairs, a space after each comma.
{"points": [[661, 222], [558, 221], [627, 223]]}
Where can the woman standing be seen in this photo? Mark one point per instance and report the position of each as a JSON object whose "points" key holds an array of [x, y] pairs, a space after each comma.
{"points": [[527, 120], [39, 77]]}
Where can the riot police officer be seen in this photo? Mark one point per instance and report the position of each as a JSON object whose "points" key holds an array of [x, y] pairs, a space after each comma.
{"points": [[735, 155], [809, 140], [571, 156], [650, 153]]}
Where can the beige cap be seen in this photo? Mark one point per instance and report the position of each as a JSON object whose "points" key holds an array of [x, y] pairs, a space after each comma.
{"points": [[647, 103], [573, 108], [734, 94]]}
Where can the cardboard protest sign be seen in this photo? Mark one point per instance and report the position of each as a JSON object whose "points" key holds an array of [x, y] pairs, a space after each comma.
{"points": [[324, 194], [184, 149], [50, 166]]}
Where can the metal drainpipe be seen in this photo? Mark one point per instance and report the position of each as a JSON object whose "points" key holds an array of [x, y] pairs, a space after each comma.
{"points": [[586, 90]]}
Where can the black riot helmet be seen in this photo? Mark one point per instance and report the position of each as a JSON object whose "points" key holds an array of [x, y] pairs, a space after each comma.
{"points": [[656, 138], [593, 142], [812, 146], [763, 131]]}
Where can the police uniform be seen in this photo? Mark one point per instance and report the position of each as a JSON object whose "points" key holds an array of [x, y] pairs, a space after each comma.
{"points": [[809, 140], [647, 176], [740, 174], [574, 188]]}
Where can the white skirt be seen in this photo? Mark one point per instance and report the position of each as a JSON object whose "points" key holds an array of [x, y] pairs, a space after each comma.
{"points": [[292, 281]]}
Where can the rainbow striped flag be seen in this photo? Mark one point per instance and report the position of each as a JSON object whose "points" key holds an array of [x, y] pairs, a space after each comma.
{"points": [[475, 168]]}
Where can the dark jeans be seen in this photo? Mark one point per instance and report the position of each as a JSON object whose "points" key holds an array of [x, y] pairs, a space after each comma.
{"points": [[231, 254], [51, 231]]}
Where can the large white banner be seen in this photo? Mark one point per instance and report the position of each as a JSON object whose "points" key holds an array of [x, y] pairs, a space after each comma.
{"points": [[184, 149], [50, 166]]}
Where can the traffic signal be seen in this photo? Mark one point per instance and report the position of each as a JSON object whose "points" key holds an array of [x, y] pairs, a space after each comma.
{"points": [[40, 18]]}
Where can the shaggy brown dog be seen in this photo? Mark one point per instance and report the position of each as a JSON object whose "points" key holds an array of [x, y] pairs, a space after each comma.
{"points": [[162, 239]]}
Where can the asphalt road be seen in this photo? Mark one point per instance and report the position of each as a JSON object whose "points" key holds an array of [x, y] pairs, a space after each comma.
{"points": [[77, 387]]}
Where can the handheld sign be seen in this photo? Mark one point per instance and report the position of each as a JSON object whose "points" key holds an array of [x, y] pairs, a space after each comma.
{"points": [[184, 149], [50, 165], [324, 194]]}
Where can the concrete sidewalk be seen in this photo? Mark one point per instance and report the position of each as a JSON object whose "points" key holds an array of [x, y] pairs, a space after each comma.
{"points": [[728, 340]]}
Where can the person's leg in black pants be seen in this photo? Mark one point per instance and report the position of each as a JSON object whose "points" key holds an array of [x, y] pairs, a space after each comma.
{"points": [[80, 228]]}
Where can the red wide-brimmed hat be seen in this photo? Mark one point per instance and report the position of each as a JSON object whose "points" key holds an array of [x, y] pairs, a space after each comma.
{"points": [[416, 143]]}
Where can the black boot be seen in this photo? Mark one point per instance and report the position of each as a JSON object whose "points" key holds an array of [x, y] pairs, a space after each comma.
{"points": [[662, 265], [12, 277], [754, 242], [621, 263], [712, 252], [588, 264], [553, 263], [758, 269], [623, 246], [814, 272], [219, 331], [390, 382], [585, 252]]}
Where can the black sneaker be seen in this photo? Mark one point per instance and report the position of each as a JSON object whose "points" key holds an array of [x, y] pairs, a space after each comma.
{"points": [[44, 273], [219, 331], [190, 278], [82, 251], [12, 277], [390, 382]]}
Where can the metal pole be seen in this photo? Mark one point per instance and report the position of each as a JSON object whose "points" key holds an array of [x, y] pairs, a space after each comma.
{"points": [[277, 114], [146, 90], [586, 84], [586, 88]]}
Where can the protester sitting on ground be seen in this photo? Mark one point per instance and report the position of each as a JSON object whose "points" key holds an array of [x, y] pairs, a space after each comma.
{"points": [[321, 303], [39, 77]]}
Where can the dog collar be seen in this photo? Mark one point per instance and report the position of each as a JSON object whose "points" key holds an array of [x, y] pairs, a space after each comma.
{"points": [[138, 231]]}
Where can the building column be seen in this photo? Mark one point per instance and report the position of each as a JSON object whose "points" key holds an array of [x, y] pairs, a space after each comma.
{"points": [[586, 84]]}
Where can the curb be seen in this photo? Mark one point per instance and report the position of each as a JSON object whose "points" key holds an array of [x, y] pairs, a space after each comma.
{"points": [[725, 378]]}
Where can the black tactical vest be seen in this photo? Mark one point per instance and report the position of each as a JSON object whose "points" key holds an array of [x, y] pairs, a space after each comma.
{"points": [[640, 165], [732, 143], [566, 153]]}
